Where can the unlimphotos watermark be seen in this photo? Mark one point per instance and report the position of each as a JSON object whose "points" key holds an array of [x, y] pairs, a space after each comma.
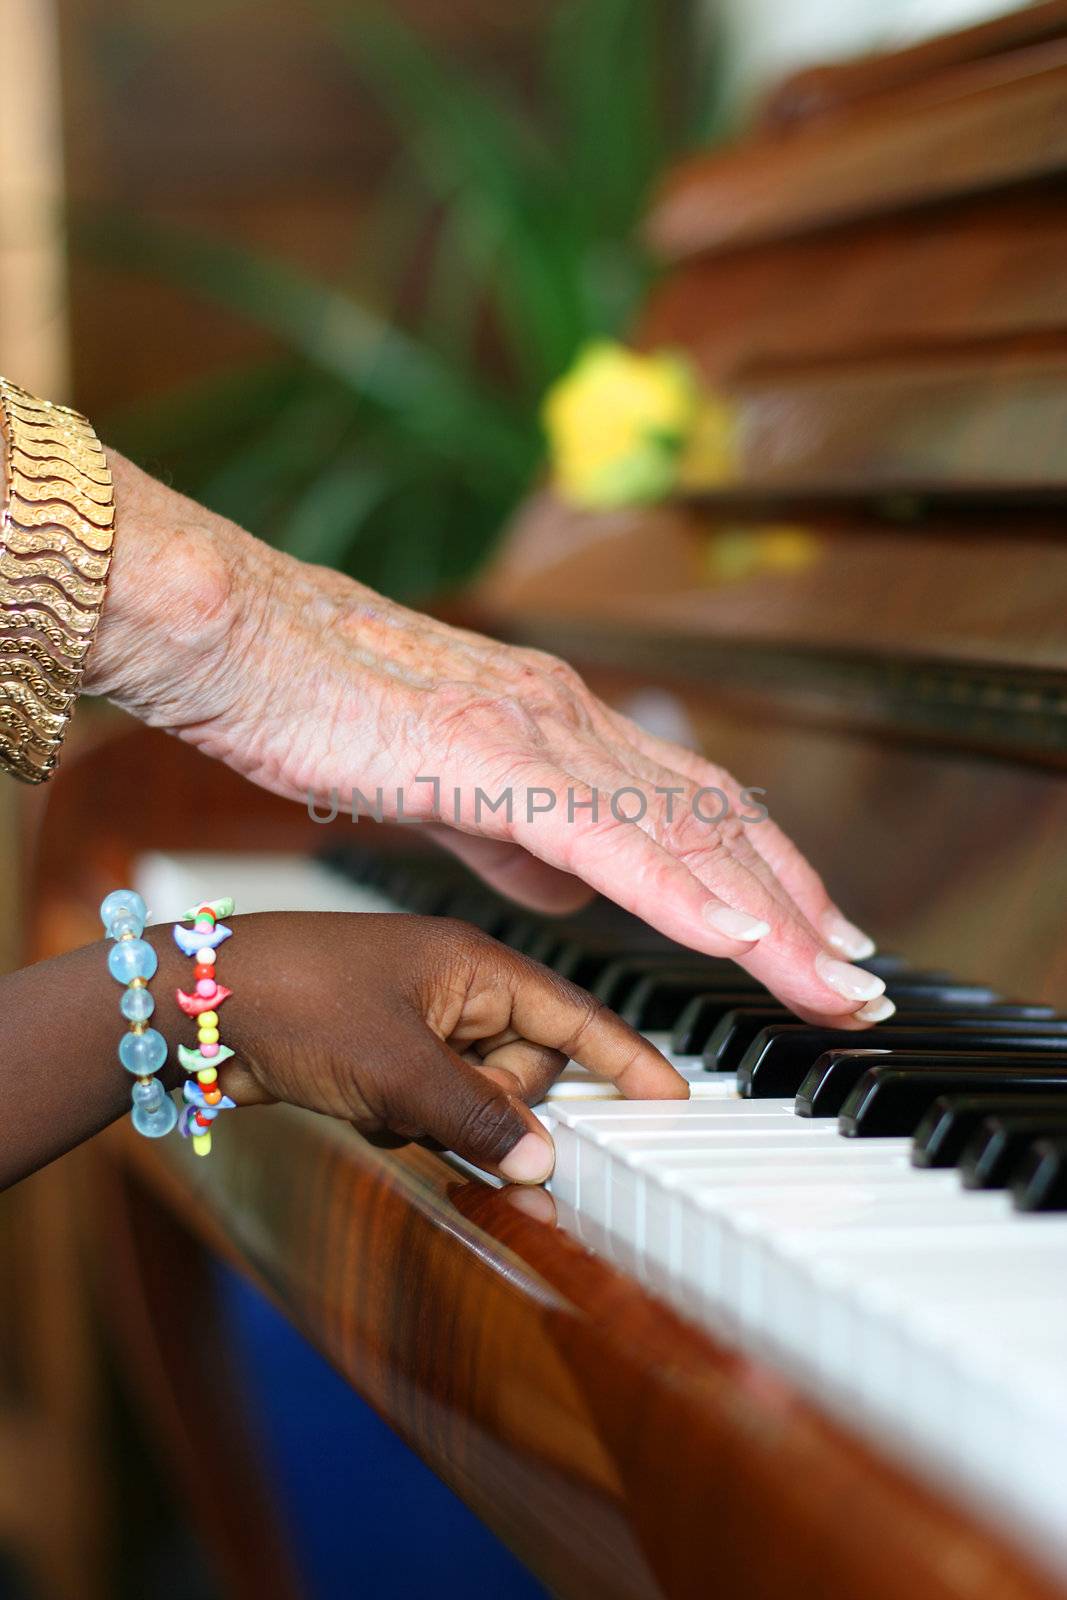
{"points": [[631, 803]]}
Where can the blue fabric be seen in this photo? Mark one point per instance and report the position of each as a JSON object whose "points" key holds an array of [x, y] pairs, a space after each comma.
{"points": [[366, 1517]]}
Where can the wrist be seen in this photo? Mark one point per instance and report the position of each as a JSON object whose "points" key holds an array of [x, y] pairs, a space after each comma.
{"points": [[247, 963], [174, 603]]}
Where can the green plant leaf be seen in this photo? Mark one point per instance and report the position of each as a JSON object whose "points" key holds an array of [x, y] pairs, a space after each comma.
{"points": [[326, 521], [604, 67], [202, 418], [485, 162], [448, 413], [293, 445]]}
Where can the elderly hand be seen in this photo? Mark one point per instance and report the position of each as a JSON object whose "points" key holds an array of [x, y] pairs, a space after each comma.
{"points": [[310, 684]]}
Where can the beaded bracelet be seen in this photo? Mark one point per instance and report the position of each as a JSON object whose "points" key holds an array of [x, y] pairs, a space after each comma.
{"points": [[203, 1098], [143, 1050]]}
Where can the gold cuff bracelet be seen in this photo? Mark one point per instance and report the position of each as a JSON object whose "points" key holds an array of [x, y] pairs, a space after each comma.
{"points": [[55, 548]]}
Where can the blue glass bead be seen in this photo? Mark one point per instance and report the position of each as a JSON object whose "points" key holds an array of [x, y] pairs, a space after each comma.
{"points": [[143, 1053], [123, 903], [157, 1123], [131, 958], [137, 1005], [149, 1096], [123, 925]]}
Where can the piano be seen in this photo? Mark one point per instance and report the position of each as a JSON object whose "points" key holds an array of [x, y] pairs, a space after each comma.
{"points": [[805, 1334]]}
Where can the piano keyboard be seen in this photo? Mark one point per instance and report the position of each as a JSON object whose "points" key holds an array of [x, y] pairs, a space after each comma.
{"points": [[882, 1216]]}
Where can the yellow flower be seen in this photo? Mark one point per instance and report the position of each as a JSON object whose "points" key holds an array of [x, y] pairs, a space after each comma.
{"points": [[709, 459], [733, 554], [618, 423]]}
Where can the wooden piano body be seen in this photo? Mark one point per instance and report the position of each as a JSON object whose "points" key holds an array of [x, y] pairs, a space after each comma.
{"points": [[870, 621]]}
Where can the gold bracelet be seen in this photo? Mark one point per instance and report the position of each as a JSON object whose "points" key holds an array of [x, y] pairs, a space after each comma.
{"points": [[55, 549]]}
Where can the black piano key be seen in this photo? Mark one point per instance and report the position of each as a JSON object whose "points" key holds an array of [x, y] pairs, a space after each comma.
{"points": [[618, 982], [1040, 1183], [585, 959], [702, 1015], [521, 930], [656, 999], [479, 909], [998, 1146], [779, 1058], [582, 959], [834, 1076], [427, 899], [547, 945], [827, 1085], [659, 1000], [936, 994], [695, 1033], [888, 964], [420, 887], [728, 1045], [949, 1125], [891, 1101]]}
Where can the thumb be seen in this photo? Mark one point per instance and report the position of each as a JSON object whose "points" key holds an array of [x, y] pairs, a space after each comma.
{"points": [[465, 1110]]}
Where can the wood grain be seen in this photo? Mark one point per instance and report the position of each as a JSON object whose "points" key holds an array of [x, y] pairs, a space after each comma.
{"points": [[961, 278], [821, 90], [617, 1449], [988, 123]]}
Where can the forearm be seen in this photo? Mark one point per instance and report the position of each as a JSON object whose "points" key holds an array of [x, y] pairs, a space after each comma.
{"points": [[205, 628], [63, 1079], [182, 587]]}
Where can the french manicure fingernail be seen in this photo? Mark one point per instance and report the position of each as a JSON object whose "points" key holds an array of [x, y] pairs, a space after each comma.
{"points": [[852, 982], [735, 924], [876, 1010], [846, 937], [531, 1160]]}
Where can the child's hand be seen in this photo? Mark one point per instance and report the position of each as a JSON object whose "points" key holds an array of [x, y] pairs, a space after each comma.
{"points": [[420, 1027]]}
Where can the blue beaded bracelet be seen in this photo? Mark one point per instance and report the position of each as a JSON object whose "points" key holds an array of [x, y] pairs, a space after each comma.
{"points": [[143, 1050]]}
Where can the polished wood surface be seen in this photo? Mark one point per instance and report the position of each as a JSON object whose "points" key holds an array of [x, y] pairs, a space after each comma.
{"points": [[617, 1449], [824, 90], [866, 620], [900, 138], [879, 283]]}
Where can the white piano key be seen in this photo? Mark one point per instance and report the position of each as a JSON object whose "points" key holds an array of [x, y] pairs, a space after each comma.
{"points": [[575, 1083], [737, 1206], [622, 1113], [931, 1318], [257, 882], [769, 1131]]}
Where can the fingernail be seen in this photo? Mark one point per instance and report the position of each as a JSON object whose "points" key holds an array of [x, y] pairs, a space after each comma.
{"points": [[852, 982], [846, 937], [876, 1010], [531, 1161], [735, 924]]}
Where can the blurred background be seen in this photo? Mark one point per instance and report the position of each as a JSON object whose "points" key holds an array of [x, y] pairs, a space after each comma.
{"points": [[320, 259], [316, 262]]}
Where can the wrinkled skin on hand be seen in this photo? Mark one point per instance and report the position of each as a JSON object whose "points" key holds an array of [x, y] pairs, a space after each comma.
{"points": [[311, 685]]}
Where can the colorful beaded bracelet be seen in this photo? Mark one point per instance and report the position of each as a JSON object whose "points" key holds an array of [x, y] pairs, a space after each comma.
{"points": [[143, 1050], [203, 1097]]}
